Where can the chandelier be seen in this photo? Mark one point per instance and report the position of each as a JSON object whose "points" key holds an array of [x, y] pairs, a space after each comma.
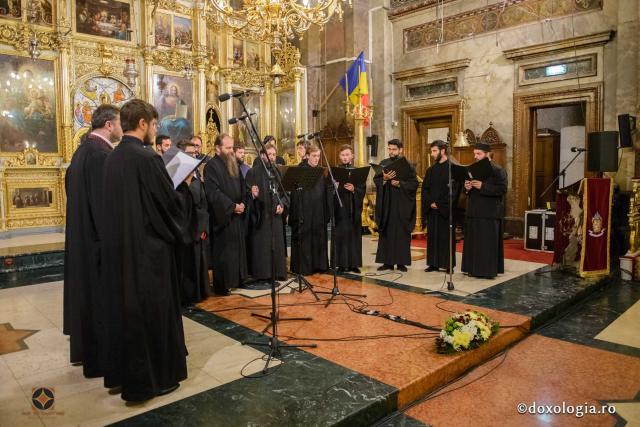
{"points": [[274, 21]]}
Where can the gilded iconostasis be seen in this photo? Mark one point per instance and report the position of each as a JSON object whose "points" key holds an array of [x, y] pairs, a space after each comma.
{"points": [[60, 60]]}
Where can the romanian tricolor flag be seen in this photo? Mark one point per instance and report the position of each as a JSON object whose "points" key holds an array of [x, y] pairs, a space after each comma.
{"points": [[355, 83]]}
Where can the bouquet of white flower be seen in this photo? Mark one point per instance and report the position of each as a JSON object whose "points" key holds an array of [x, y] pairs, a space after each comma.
{"points": [[464, 331]]}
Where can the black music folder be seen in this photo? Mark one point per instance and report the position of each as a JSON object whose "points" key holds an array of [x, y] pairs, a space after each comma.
{"points": [[295, 177], [403, 169], [355, 176]]}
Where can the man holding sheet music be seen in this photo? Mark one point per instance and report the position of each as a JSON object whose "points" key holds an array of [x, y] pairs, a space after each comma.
{"points": [[396, 185], [348, 234], [435, 209], [485, 186], [308, 218]]}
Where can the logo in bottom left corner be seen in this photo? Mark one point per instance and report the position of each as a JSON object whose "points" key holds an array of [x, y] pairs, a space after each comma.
{"points": [[42, 398]]}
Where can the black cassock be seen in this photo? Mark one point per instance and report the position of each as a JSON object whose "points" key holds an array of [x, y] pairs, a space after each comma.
{"points": [[396, 218], [143, 225], [193, 255], [483, 252], [83, 289], [348, 233], [308, 220], [228, 229], [435, 189], [265, 228]]}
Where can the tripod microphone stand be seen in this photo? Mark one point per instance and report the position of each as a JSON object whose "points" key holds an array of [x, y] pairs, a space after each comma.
{"points": [[274, 178], [335, 291]]}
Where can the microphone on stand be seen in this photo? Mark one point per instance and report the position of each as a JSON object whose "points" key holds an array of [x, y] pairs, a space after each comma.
{"points": [[226, 96], [234, 120], [578, 149], [309, 136]]}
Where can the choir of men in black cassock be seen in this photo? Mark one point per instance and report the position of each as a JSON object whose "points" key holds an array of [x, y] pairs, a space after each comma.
{"points": [[435, 209], [308, 219], [142, 224], [267, 254], [348, 232], [192, 255], [227, 198], [395, 213], [84, 318], [483, 252]]}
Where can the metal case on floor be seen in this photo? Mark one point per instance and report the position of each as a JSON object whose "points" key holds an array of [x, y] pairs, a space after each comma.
{"points": [[539, 230]]}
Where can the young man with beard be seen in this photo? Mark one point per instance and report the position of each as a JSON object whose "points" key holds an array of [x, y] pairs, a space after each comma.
{"points": [[240, 155], [193, 259], [348, 235], [163, 144], [395, 213], [435, 210], [308, 219], [266, 242], [143, 224], [483, 251], [227, 198], [83, 288]]}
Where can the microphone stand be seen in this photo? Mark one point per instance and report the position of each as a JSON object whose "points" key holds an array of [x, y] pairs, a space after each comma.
{"points": [[335, 291], [562, 173], [452, 242], [274, 178]]}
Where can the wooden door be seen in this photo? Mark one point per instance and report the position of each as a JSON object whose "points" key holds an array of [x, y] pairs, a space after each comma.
{"points": [[546, 163]]}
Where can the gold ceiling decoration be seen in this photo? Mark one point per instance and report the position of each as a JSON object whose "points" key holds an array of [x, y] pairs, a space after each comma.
{"points": [[274, 21]]}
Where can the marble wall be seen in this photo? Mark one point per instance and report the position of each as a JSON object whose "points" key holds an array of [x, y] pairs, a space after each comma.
{"points": [[490, 80]]}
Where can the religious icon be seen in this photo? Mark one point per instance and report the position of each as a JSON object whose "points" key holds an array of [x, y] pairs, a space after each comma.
{"points": [[183, 32], [41, 12], [253, 56], [86, 98], [10, 9], [27, 96], [31, 197], [104, 18], [173, 98], [162, 29], [238, 52]]}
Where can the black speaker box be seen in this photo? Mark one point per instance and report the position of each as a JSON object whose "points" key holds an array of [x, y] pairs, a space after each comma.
{"points": [[373, 142], [626, 125], [602, 151]]}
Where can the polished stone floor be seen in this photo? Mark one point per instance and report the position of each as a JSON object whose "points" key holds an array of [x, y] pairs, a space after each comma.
{"points": [[564, 339]]}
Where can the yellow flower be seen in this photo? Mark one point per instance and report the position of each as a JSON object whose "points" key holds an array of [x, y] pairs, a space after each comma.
{"points": [[461, 339]]}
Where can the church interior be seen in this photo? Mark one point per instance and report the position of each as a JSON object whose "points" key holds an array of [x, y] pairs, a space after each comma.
{"points": [[547, 91]]}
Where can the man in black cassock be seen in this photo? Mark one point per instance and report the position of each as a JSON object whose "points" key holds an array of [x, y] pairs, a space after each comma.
{"points": [[227, 199], [348, 233], [435, 210], [308, 219], [83, 289], [193, 259], [483, 251], [265, 224], [143, 223], [395, 213]]}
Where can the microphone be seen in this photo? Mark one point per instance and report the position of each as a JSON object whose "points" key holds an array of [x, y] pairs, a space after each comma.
{"points": [[226, 96], [234, 120], [309, 135], [578, 149]]}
